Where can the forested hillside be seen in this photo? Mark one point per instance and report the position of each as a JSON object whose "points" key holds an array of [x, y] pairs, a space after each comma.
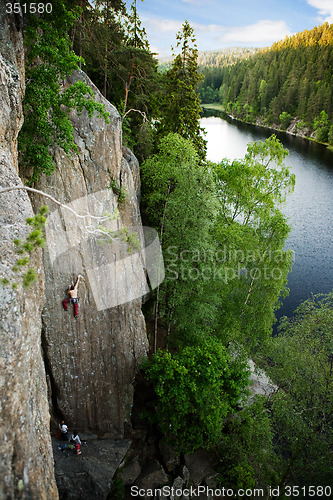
{"points": [[210, 64], [293, 78]]}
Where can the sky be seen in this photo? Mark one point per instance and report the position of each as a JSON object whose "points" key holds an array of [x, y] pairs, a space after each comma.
{"points": [[229, 23]]}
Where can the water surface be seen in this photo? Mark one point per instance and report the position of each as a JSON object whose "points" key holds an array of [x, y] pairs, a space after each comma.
{"points": [[309, 208]]}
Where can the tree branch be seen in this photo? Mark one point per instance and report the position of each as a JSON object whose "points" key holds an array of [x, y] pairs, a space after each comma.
{"points": [[42, 193]]}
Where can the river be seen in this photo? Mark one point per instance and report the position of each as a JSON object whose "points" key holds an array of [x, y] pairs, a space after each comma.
{"points": [[309, 208]]}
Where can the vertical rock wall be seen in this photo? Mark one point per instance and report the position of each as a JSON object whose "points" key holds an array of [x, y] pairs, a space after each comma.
{"points": [[26, 466], [92, 359]]}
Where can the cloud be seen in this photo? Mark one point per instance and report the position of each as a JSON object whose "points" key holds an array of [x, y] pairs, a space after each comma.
{"points": [[325, 8], [161, 33], [162, 25], [264, 31]]}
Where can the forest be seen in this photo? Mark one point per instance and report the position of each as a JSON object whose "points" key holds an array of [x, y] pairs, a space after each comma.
{"points": [[290, 80], [220, 226]]}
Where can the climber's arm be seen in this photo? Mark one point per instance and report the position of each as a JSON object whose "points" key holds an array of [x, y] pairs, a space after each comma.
{"points": [[77, 282]]}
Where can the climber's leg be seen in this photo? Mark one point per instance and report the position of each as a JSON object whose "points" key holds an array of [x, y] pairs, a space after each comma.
{"points": [[64, 303], [75, 309]]}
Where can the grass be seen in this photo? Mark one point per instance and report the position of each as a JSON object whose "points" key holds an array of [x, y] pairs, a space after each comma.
{"points": [[213, 105]]}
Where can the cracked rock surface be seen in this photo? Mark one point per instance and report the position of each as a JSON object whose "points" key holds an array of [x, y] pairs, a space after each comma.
{"points": [[26, 466], [92, 360]]}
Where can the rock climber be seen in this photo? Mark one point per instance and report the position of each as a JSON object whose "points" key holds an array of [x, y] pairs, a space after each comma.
{"points": [[77, 442], [72, 292], [63, 430]]}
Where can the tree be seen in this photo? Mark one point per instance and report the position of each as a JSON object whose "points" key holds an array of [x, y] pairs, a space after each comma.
{"points": [[247, 455], [181, 113], [285, 119], [107, 11], [120, 63], [300, 362], [250, 234], [195, 391], [46, 104], [321, 127], [178, 200], [294, 76]]}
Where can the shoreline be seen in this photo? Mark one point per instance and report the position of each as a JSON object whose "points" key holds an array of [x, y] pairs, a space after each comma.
{"points": [[289, 130]]}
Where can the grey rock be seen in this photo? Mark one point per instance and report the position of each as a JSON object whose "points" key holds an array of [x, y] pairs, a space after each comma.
{"points": [[178, 486], [260, 383], [93, 359], [26, 466], [152, 476], [212, 480], [185, 474], [169, 455], [89, 475], [130, 472], [200, 465]]}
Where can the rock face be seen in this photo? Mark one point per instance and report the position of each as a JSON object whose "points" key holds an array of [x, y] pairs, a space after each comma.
{"points": [[92, 360], [26, 466], [89, 475]]}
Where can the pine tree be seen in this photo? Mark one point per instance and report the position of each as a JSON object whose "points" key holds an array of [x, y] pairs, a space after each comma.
{"points": [[182, 105]]}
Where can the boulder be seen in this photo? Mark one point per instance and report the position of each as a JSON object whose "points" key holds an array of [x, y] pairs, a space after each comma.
{"points": [[169, 455], [130, 472], [152, 476], [200, 465], [260, 383]]}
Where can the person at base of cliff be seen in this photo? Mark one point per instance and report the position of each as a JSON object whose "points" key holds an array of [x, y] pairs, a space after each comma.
{"points": [[63, 430], [72, 292], [77, 442]]}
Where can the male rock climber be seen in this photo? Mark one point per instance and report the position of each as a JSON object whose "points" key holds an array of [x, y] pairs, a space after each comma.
{"points": [[64, 430], [72, 292]]}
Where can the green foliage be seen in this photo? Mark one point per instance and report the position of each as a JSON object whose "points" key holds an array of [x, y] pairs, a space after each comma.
{"points": [[294, 77], [246, 450], [181, 113], [195, 390], [250, 233], [210, 65], [321, 127], [178, 200], [285, 119], [25, 248], [330, 135], [120, 192], [118, 488], [301, 364], [118, 60], [222, 238], [46, 104]]}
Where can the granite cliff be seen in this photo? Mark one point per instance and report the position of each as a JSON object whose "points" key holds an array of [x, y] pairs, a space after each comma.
{"points": [[26, 466], [91, 360], [52, 364]]}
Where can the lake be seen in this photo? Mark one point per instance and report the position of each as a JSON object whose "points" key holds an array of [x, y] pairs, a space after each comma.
{"points": [[309, 208]]}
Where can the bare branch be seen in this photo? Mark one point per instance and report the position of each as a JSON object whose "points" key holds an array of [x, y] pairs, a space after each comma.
{"points": [[42, 193], [136, 111]]}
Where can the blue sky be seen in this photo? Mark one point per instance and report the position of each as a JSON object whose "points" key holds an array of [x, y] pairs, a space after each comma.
{"points": [[229, 23]]}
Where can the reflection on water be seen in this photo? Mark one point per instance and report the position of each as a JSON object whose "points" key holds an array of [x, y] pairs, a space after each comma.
{"points": [[309, 208]]}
